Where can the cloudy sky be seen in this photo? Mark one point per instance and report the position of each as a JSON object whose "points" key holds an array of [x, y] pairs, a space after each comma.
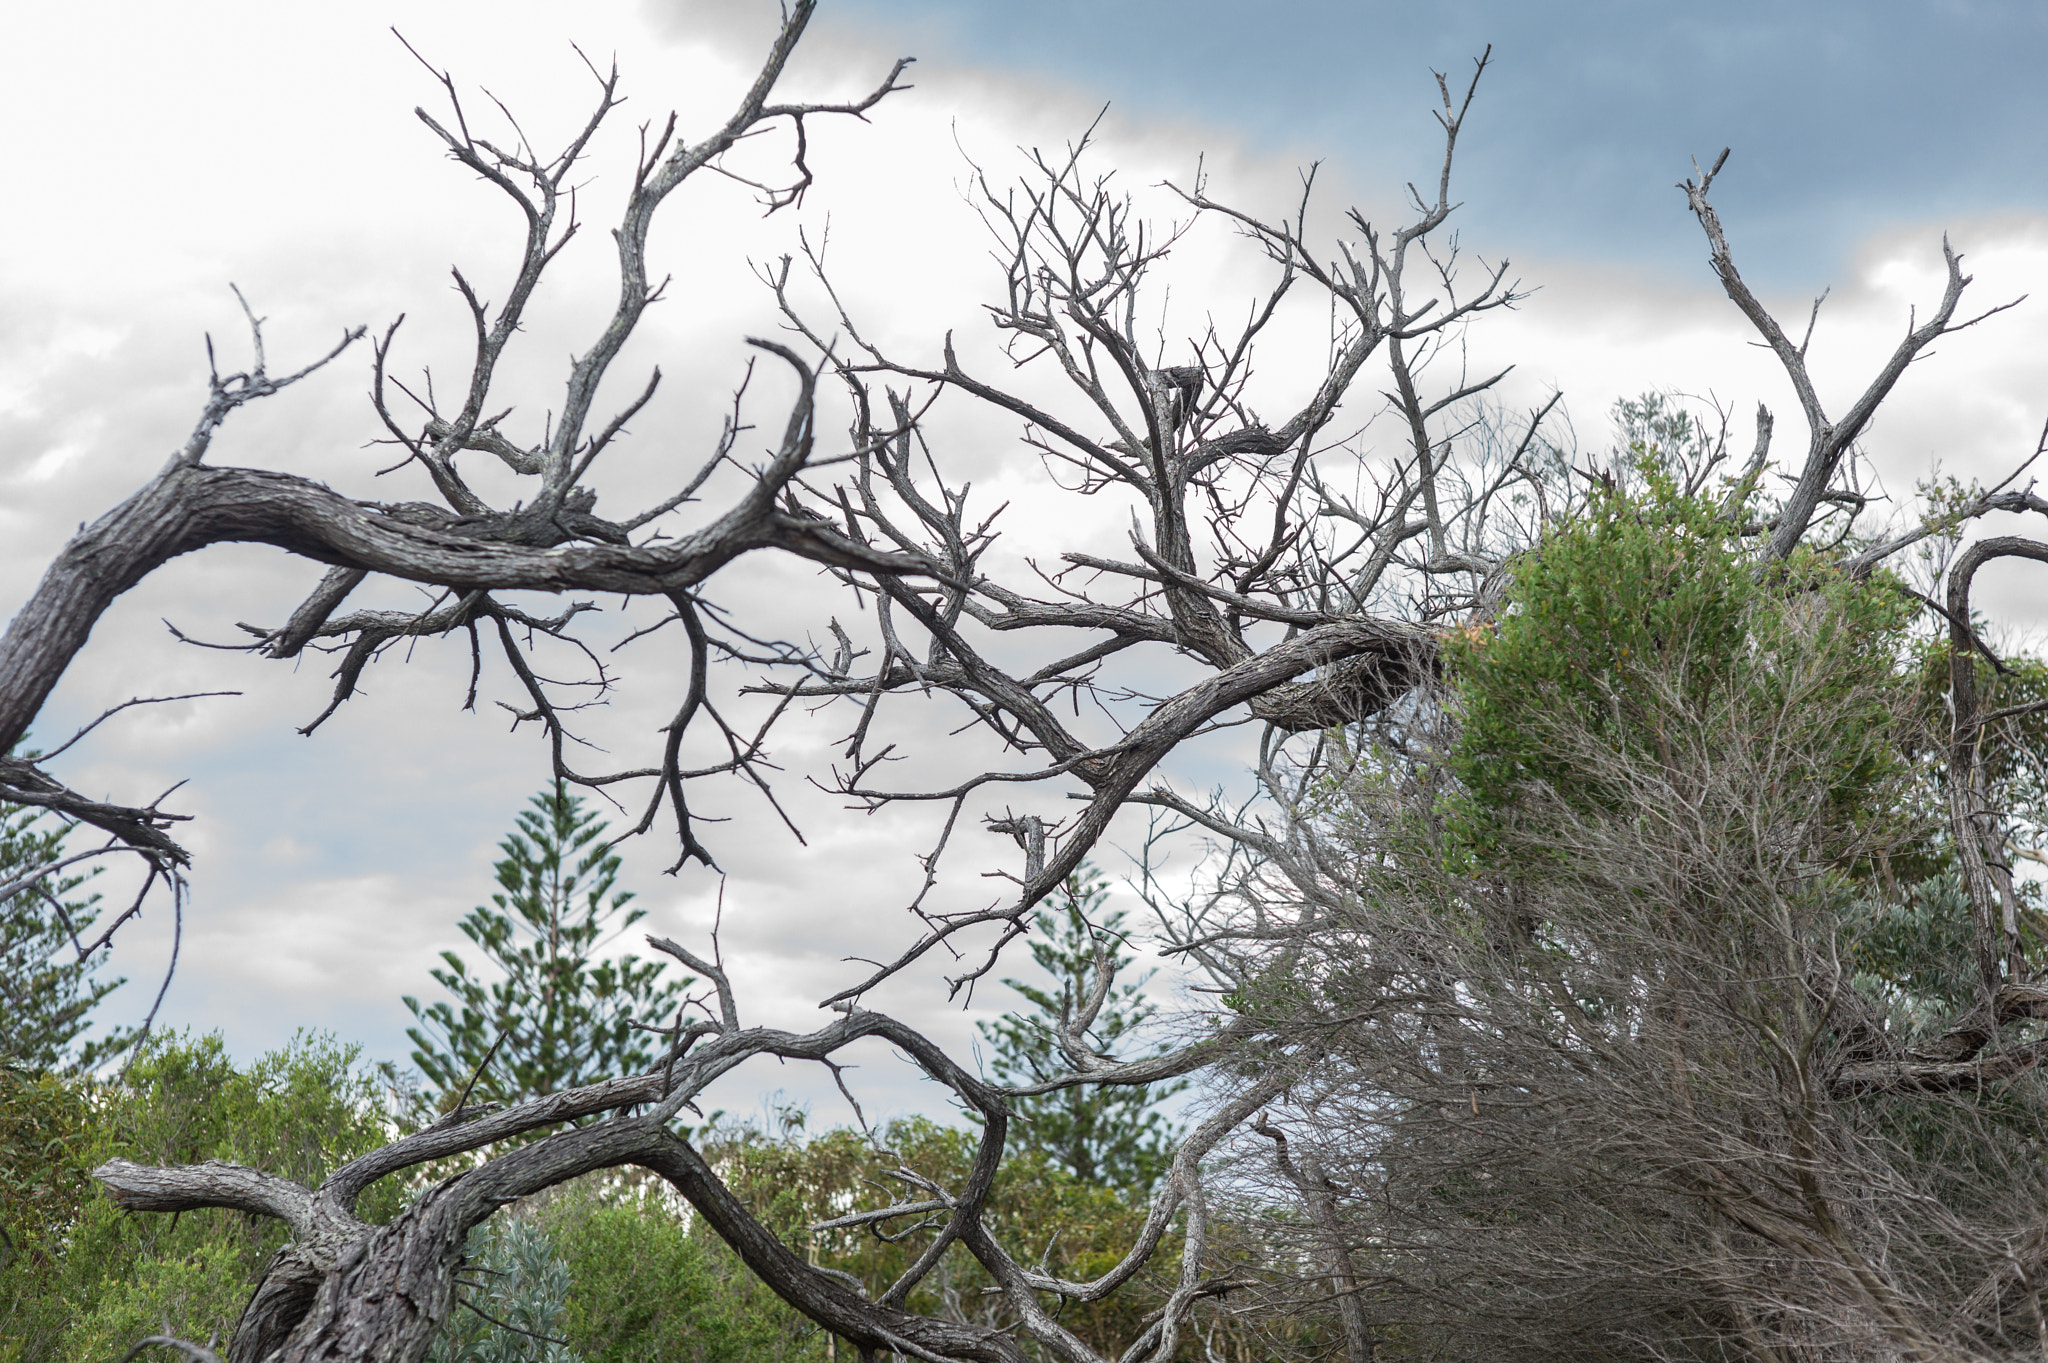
{"points": [[160, 152]]}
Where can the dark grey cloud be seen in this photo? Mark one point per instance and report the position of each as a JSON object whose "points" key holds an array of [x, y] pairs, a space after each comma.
{"points": [[1845, 116]]}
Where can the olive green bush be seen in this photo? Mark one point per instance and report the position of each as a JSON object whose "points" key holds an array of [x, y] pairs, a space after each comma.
{"points": [[88, 1280]]}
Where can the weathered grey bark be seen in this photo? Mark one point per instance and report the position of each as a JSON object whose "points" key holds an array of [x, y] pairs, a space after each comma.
{"points": [[1318, 1196], [189, 508], [1346, 692], [345, 1290], [1979, 843], [1828, 441]]}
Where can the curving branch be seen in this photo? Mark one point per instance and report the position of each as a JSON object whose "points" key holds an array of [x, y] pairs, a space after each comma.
{"points": [[143, 1188], [1979, 840], [1828, 440], [341, 1284]]}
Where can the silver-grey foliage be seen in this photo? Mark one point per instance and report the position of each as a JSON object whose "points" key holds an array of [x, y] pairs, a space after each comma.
{"points": [[512, 1298]]}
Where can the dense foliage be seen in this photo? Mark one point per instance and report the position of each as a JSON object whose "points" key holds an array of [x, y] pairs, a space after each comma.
{"points": [[609, 1268], [1646, 616], [1591, 1083], [83, 1281]]}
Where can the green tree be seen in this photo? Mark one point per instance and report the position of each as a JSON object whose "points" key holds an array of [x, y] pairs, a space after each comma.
{"points": [[1111, 1136], [47, 993], [558, 1017]]}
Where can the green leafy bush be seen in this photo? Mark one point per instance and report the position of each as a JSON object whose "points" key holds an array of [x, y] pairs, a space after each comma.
{"points": [[1645, 623], [48, 1132], [96, 1279], [648, 1284]]}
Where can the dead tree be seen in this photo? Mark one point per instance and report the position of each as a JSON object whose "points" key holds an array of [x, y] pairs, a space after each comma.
{"points": [[1275, 580], [1283, 573], [553, 541], [1248, 555]]}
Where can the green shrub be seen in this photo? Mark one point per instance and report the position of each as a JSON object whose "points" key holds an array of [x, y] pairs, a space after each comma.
{"points": [[100, 1278], [48, 1132], [1646, 623], [647, 1284]]}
